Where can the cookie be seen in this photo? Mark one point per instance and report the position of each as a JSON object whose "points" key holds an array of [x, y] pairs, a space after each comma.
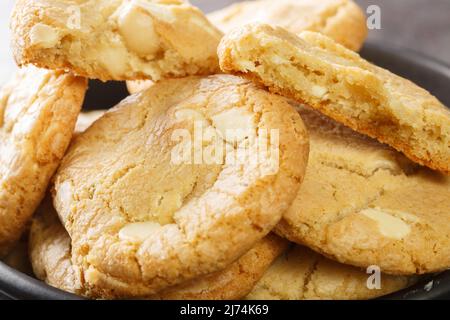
{"points": [[50, 252], [86, 119], [363, 203], [341, 20], [150, 204], [301, 274], [313, 69], [115, 40], [38, 110]]}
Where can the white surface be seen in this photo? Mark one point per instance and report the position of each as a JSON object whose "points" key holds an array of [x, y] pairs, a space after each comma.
{"points": [[7, 65]]}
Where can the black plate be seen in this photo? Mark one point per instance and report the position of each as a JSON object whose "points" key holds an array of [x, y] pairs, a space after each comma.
{"points": [[428, 73]]}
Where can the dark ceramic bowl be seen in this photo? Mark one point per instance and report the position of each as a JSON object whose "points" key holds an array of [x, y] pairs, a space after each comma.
{"points": [[429, 73]]}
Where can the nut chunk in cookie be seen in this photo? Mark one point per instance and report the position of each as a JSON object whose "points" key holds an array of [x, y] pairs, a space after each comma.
{"points": [[179, 181], [315, 70], [38, 111], [115, 39]]}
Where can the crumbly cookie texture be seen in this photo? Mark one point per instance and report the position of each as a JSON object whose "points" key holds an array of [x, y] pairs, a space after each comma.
{"points": [[38, 110], [341, 20], [145, 212], [86, 119], [315, 70], [301, 274], [115, 39], [363, 203], [234, 282], [50, 253]]}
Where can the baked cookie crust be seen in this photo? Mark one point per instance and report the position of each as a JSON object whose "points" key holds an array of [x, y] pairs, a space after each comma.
{"points": [[139, 221], [363, 203], [115, 39], [341, 20], [315, 70], [301, 274], [38, 111], [50, 254]]}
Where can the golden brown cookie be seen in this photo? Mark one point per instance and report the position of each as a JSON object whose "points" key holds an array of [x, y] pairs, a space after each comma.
{"points": [[38, 110], [50, 252], [341, 20], [315, 70], [115, 39], [142, 216], [301, 274], [363, 203]]}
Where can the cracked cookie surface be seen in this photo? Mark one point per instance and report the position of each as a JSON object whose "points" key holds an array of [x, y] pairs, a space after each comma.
{"points": [[341, 20], [315, 70], [301, 274], [115, 39], [141, 220], [38, 111], [363, 203], [50, 253]]}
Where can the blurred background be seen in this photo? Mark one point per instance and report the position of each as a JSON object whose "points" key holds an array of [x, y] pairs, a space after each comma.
{"points": [[421, 25]]}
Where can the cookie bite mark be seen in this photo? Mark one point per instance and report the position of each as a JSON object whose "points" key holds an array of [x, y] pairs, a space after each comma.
{"points": [[115, 40], [315, 70]]}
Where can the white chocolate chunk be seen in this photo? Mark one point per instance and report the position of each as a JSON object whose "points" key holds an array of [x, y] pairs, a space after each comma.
{"points": [[318, 91], [159, 11], [234, 119], [139, 231], [137, 28], [388, 225], [44, 36]]}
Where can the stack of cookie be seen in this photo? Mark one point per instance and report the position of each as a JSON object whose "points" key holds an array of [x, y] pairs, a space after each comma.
{"points": [[202, 185]]}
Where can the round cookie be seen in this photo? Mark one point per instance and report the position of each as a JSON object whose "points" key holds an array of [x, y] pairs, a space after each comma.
{"points": [[315, 70], [363, 203], [341, 20], [38, 111], [115, 39], [50, 253], [178, 181], [301, 274]]}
